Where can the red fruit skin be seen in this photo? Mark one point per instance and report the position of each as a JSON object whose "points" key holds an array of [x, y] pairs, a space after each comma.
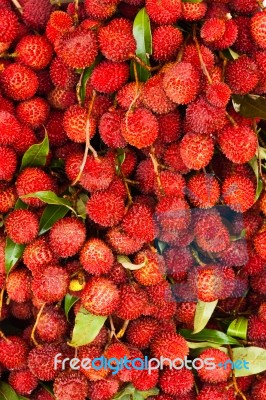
{"points": [[229, 37], [220, 374], [100, 296], [109, 76], [141, 331], [260, 244], [61, 75], [22, 226], [238, 192], [75, 124], [110, 129], [218, 94], [259, 389], [154, 270], [185, 313], [212, 29], [9, 25], [35, 16], [258, 29], [19, 82], [138, 223], [154, 97], [59, 23], [104, 389], [169, 345], [178, 262], [51, 285], [133, 299], [23, 381], [34, 51], [8, 198], [42, 394], [13, 352], [145, 380], [245, 68], [41, 361], [33, 112], [262, 312], [105, 208], [66, 384], [176, 382], [203, 190], [18, 285], [258, 283], [61, 99], [256, 329], [173, 214], [100, 10], [169, 127], [164, 12], [193, 11], [196, 150], [128, 93], [8, 163], [96, 257], [122, 243], [166, 41], [37, 255]]}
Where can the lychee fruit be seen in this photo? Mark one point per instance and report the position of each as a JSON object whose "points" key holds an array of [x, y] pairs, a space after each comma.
{"points": [[96, 257], [19, 82]]}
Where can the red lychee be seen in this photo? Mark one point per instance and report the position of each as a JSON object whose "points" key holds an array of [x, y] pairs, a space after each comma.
{"points": [[122, 243], [133, 299], [110, 129], [153, 271], [176, 382], [23, 381], [66, 384], [61, 75], [34, 51], [220, 373], [154, 97], [238, 192], [8, 163], [77, 124], [141, 331], [109, 76], [9, 25], [196, 150], [242, 75], [203, 190], [18, 285], [37, 255], [218, 94], [33, 112], [41, 361], [166, 41], [96, 257], [164, 12], [193, 11], [19, 82], [138, 223], [13, 352], [258, 28], [105, 208], [173, 213], [59, 23], [100, 9]]}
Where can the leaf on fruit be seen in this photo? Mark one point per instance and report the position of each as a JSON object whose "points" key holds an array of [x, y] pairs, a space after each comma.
{"points": [[130, 392], [127, 264], [50, 216], [86, 328], [230, 54], [50, 198], [200, 345], [7, 392], [86, 73], [255, 356], [238, 328], [81, 205], [36, 155], [143, 37], [160, 246], [13, 252], [254, 165], [250, 105], [209, 335], [20, 205], [192, 1], [69, 301], [204, 311]]}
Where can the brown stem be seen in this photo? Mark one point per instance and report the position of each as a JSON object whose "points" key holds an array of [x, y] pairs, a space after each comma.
{"points": [[156, 169], [18, 6], [36, 324], [59, 2], [231, 119], [123, 329], [237, 390], [202, 63], [196, 256], [112, 333], [2, 336], [75, 16], [78, 87], [1, 300], [130, 200], [142, 63]]}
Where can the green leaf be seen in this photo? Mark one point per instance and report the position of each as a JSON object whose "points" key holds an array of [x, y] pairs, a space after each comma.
{"points": [[230, 54], [69, 302], [238, 328], [22, 397], [81, 205], [7, 392], [36, 155], [50, 198], [203, 314], [200, 345], [209, 335], [48, 387], [87, 326], [250, 105], [51, 214], [127, 264], [20, 205], [254, 165], [255, 356], [160, 245], [130, 392], [13, 252], [142, 35]]}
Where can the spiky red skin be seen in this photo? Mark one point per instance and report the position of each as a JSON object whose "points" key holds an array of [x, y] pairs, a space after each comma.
{"points": [[169, 127], [193, 11], [209, 391], [244, 6], [37, 255], [229, 37], [33, 112], [100, 296], [41, 361], [8, 163], [67, 236], [23, 381], [172, 158], [96, 257], [13, 352], [100, 9], [109, 76], [18, 285], [121, 242], [110, 129], [77, 49], [212, 282], [185, 312], [141, 331], [235, 255], [154, 270], [251, 221], [259, 389], [169, 345], [238, 192], [191, 56], [219, 374], [31, 180], [105, 208], [75, 124], [22, 226], [8, 198], [242, 75], [132, 302], [178, 262], [159, 294], [173, 214], [258, 29], [61, 98], [181, 83], [256, 329], [166, 41], [203, 190], [50, 285], [145, 380], [127, 94], [61, 75], [260, 244], [138, 223], [145, 176], [218, 94], [104, 389], [212, 29], [258, 283], [154, 97], [196, 150], [69, 384], [116, 41], [19, 82], [262, 312], [59, 23], [164, 12], [34, 51], [255, 265], [9, 25], [21, 310], [37, 17], [42, 394], [176, 382], [55, 130], [26, 139], [92, 352]]}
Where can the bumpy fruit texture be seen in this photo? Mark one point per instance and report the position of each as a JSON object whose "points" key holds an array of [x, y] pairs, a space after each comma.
{"points": [[242, 75], [23, 381], [203, 190], [110, 129], [9, 25], [166, 41], [193, 11], [196, 150], [138, 223], [258, 29], [50, 285], [18, 285], [169, 345], [109, 76], [105, 208], [122, 243], [164, 12], [69, 384], [133, 299], [77, 125], [176, 382], [8, 163], [222, 373], [13, 352], [34, 51], [154, 97], [37, 255], [43, 356], [218, 94], [238, 192], [96, 257], [19, 82], [59, 23], [154, 270]]}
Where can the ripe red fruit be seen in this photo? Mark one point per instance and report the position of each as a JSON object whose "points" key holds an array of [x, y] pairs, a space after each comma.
{"points": [[172, 158], [37, 255], [178, 262], [19, 82], [218, 94], [164, 12], [42, 394], [138, 223], [8, 163], [209, 391], [170, 345], [23, 381], [18, 285], [13, 352], [103, 389], [22, 226], [32, 180], [169, 127], [196, 150], [128, 93], [44, 356], [258, 28], [229, 37], [69, 385], [34, 15], [181, 82], [26, 139], [259, 389], [185, 313], [100, 9], [8, 198], [212, 29], [144, 379], [220, 373], [67, 237], [121, 242], [193, 11], [105, 208], [256, 329], [110, 129], [34, 51], [33, 112], [242, 75], [191, 56], [100, 296], [258, 283], [176, 382], [59, 23], [260, 244], [153, 271], [153, 96], [9, 25], [77, 49], [61, 98], [141, 331], [50, 285], [96, 257], [133, 299], [109, 76], [76, 123], [61, 75], [238, 192], [116, 40], [166, 41], [173, 213], [140, 128], [203, 190], [21, 310]]}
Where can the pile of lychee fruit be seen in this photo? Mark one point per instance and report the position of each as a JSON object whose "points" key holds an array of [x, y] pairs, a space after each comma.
{"points": [[161, 179]]}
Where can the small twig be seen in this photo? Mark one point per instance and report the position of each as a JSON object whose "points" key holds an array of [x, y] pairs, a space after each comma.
{"points": [[78, 87], [156, 169], [123, 329], [125, 181], [36, 324], [1, 300], [131, 182], [196, 257], [202, 63], [112, 333], [231, 119], [59, 2], [76, 16], [2, 336], [18, 6], [142, 63], [237, 390]]}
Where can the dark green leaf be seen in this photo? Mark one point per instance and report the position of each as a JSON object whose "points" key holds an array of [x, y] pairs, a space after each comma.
{"points": [[204, 311], [230, 54], [142, 35], [87, 326], [7, 392], [36, 155], [86, 75], [48, 388], [13, 252], [56, 163], [50, 198], [160, 245], [209, 335], [250, 105], [22, 397], [130, 392], [20, 205], [69, 302], [81, 205], [254, 165], [255, 356], [51, 214], [238, 328]]}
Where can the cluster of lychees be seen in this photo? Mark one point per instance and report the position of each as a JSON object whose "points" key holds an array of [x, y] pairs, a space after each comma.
{"points": [[160, 165]]}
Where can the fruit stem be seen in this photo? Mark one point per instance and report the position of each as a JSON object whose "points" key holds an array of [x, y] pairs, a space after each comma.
{"points": [[59, 2], [1, 300], [112, 329], [142, 63], [2, 336], [202, 63], [156, 169], [196, 256], [123, 329], [36, 324], [75, 16], [78, 87], [261, 5], [231, 119], [237, 390], [18, 6]]}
